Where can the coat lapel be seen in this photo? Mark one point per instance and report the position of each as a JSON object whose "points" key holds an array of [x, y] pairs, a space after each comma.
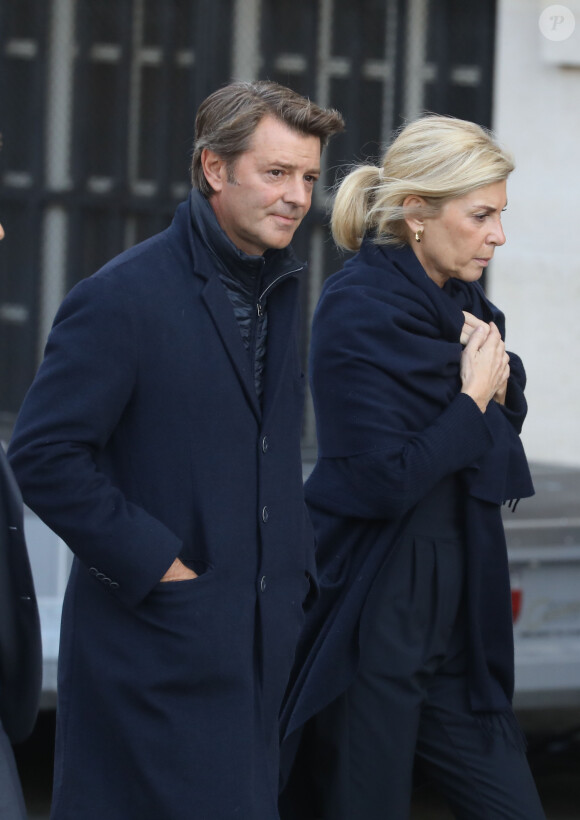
{"points": [[282, 319], [220, 309]]}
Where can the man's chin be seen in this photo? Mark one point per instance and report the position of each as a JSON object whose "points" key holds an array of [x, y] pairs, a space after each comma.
{"points": [[284, 235], [278, 243]]}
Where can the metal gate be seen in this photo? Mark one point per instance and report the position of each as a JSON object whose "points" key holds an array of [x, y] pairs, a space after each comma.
{"points": [[97, 104]]}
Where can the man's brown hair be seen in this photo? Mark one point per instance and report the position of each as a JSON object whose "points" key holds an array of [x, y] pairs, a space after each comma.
{"points": [[227, 119]]}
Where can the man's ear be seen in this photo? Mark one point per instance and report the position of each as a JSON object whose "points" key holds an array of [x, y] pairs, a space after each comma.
{"points": [[214, 169], [414, 207]]}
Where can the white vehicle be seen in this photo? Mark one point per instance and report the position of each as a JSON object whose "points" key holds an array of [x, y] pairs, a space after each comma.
{"points": [[51, 560], [544, 553]]}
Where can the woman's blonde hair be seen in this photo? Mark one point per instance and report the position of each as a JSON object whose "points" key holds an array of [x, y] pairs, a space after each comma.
{"points": [[435, 157]]}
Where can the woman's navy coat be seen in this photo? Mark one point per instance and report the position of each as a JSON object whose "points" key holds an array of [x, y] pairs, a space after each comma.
{"points": [[142, 439], [391, 423]]}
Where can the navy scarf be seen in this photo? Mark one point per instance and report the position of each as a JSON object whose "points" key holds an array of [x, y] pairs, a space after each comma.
{"points": [[501, 476]]}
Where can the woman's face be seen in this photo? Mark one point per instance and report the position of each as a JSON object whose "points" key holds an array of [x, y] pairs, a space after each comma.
{"points": [[1, 232], [459, 242]]}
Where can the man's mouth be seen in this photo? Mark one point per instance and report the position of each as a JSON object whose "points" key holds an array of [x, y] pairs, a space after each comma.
{"points": [[286, 217]]}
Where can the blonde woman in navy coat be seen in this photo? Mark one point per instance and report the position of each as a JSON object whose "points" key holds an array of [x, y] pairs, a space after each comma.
{"points": [[408, 658], [161, 440]]}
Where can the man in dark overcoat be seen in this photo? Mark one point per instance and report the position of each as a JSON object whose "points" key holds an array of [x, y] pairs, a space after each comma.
{"points": [[161, 441], [20, 642]]}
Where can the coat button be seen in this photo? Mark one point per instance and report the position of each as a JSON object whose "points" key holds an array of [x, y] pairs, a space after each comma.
{"points": [[114, 585], [265, 514], [265, 444], [263, 583], [93, 571]]}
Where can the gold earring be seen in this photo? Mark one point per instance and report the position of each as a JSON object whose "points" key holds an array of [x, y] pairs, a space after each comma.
{"points": [[419, 234]]}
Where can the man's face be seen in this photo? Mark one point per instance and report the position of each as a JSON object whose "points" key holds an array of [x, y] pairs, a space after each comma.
{"points": [[268, 190]]}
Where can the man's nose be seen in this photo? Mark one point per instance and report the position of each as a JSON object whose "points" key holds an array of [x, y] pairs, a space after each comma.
{"points": [[297, 192]]}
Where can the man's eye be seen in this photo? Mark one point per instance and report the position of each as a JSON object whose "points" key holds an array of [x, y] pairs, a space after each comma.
{"points": [[310, 179], [276, 172]]}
